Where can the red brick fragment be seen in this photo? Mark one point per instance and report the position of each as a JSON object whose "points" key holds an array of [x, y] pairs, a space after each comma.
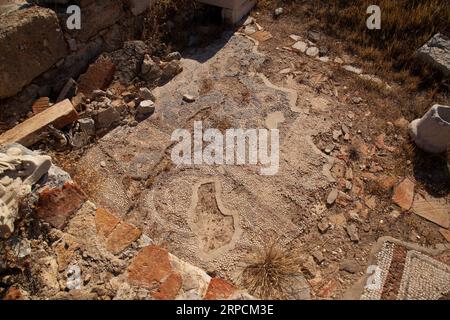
{"points": [[98, 76], [150, 267], [169, 289], [219, 289], [404, 194], [56, 206]]}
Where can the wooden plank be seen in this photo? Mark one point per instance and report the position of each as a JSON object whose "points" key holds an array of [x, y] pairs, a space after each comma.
{"points": [[27, 132]]}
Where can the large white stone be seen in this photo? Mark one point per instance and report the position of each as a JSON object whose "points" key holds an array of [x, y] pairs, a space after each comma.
{"points": [[18, 172], [236, 14], [233, 10], [432, 132]]}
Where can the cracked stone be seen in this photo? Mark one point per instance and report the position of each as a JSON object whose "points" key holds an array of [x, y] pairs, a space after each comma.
{"points": [[105, 118], [121, 237], [151, 269]]}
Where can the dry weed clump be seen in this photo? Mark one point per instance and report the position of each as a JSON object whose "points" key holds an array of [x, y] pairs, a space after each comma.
{"points": [[270, 272], [160, 17]]}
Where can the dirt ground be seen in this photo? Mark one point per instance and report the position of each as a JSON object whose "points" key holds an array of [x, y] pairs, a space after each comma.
{"points": [[217, 217]]}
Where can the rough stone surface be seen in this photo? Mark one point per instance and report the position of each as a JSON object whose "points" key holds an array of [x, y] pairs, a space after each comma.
{"points": [[95, 17], [312, 52], [150, 265], [352, 231], [437, 53], [105, 222], [332, 196], [106, 117], [128, 60], [217, 240], [36, 34], [169, 289], [150, 70], [151, 269]]}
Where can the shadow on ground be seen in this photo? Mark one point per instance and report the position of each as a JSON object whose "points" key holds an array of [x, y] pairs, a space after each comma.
{"points": [[432, 172]]}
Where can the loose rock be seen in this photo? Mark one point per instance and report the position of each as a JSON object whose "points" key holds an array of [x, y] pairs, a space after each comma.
{"points": [[332, 196], [146, 94], [188, 98], [352, 231]]}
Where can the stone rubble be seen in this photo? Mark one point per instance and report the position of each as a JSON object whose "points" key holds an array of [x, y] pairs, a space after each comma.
{"points": [[117, 90], [19, 173], [89, 252]]}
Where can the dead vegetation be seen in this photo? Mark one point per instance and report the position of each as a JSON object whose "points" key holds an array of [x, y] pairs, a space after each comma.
{"points": [[175, 24], [406, 25], [270, 273]]}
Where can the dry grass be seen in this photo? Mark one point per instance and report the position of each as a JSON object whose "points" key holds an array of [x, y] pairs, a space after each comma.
{"points": [[160, 17], [268, 276], [406, 25]]}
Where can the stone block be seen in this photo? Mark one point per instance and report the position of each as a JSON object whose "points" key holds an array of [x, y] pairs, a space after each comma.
{"points": [[31, 42]]}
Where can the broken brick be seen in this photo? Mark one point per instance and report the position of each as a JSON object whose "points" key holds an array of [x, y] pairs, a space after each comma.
{"points": [[169, 289], [105, 222], [404, 194], [219, 289], [57, 205], [98, 76], [151, 269], [121, 237]]}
